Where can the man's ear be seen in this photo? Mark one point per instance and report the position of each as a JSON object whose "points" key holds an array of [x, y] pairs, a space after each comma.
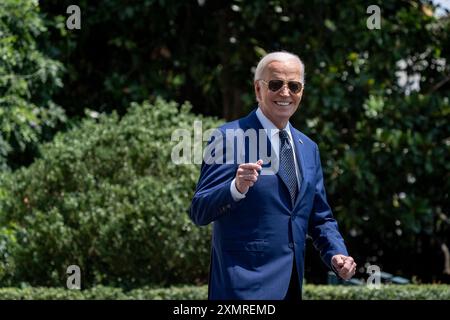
{"points": [[257, 90]]}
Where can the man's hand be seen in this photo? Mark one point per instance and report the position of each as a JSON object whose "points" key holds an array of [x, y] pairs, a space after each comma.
{"points": [[345, 266], [246, 175]]}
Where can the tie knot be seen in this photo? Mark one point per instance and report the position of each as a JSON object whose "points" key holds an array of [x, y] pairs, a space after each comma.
{"points": [[283, 135]]}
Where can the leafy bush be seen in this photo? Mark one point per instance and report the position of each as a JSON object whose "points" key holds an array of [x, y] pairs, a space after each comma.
{"points": [[7, 234], [107, 197], [311, 292], [28, 78]]}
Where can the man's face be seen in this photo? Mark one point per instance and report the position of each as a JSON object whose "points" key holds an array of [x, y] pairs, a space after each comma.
{"points": [[279, 106]]}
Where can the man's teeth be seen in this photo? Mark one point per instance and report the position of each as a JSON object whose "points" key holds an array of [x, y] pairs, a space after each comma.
{"points": [[282, 103]]}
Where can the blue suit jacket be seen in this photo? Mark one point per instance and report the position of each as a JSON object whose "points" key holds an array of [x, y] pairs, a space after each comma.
{"points": [[256, 240]]}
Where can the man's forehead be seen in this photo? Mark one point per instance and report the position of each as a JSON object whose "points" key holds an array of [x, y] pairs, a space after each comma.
{"points": [[290, 66], [282, 68]]}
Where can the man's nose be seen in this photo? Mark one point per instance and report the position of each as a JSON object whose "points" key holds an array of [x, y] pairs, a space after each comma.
{"points": [[284, 91]]}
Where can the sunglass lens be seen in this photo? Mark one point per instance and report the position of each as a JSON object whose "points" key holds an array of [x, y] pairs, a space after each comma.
{"points": [[295, 87], [275, 85]]}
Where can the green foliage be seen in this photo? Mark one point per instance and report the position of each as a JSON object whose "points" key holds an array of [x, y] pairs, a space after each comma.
{"points": [[393, 173], [385, 292], [105, 293], [28, 78], [7, 245], [311, 292], [107, 197], [8, 239]]}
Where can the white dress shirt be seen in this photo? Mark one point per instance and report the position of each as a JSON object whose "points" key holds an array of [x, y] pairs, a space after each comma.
{"points": [[273, 133]]}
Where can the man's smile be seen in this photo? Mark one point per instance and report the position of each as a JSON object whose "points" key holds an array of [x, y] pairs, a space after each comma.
{"points": [[283, 103]]}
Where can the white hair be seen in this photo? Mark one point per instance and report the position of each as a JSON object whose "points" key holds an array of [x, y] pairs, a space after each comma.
{"points": [[278, 56]]}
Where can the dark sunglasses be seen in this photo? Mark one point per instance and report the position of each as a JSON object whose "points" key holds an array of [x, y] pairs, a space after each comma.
{"points": [[275, 85]]}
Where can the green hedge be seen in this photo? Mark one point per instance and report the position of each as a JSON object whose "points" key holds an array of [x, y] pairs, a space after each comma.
{"points": [[106, 196], [385, 292], [104, 293], [311, 292]]}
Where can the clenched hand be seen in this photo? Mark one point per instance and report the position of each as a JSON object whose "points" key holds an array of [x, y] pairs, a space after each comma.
{"points": [[345, 266], [246, 175]]}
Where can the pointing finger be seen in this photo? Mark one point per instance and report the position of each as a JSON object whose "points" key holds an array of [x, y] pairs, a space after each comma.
{"points": [[254, 166], [250, 166]]}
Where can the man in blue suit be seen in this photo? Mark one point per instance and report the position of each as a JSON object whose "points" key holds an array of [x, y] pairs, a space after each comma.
{"points": [[261, 214]]}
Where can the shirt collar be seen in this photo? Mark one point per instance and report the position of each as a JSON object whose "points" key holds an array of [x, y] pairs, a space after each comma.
{"points": [[269, 126]]}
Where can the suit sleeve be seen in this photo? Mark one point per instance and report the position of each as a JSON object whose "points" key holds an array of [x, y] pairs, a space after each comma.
{"points": [[323, 227], [212, 198]]}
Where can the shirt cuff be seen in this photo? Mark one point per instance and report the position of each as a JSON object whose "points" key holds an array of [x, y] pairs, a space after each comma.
{"points": [[235, 192]]}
